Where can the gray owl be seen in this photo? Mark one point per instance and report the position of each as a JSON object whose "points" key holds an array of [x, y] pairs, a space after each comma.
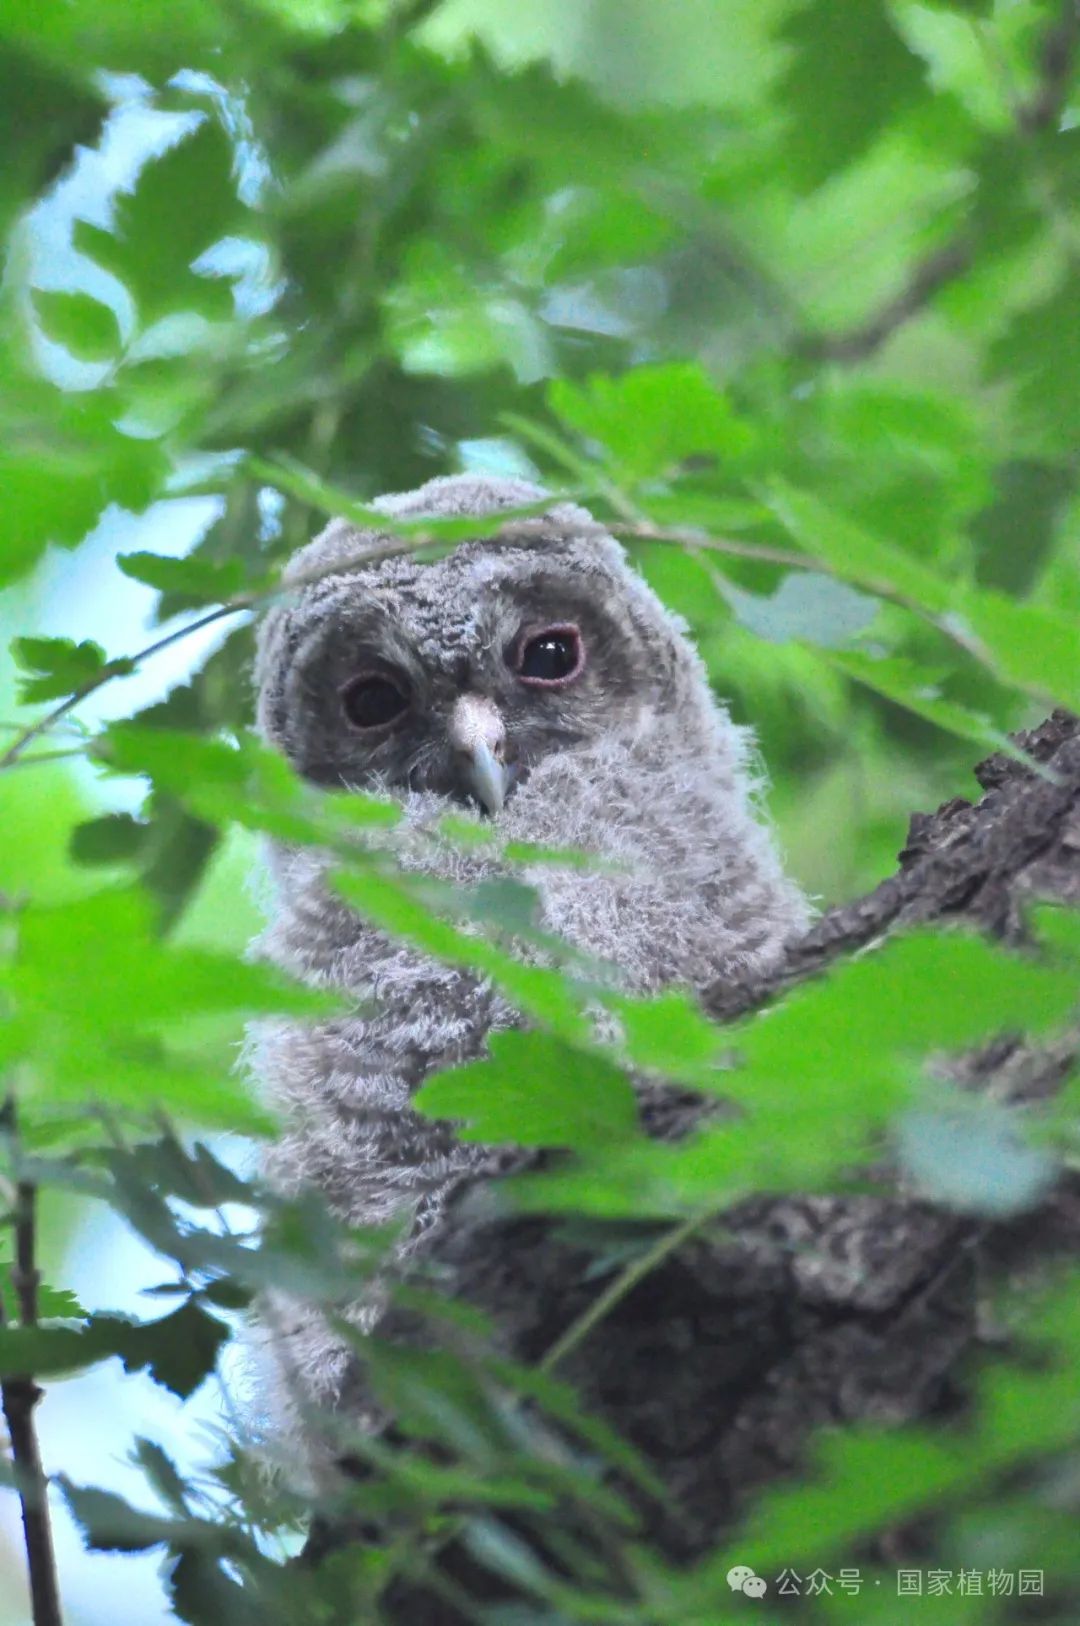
{"points": [[536, 682]]}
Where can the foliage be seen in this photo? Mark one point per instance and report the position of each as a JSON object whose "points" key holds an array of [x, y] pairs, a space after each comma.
{"points": [[806, 337]]}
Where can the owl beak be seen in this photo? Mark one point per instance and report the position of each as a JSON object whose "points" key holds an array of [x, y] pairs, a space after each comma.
{"points": [[478, 735], [488, 778]]}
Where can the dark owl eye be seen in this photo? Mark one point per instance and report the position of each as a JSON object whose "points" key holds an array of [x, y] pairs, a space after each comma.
{"points": [[552, 657], [374, 700]]}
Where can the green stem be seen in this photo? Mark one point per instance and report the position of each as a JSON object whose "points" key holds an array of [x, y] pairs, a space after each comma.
{"points": [[624, 1283]]}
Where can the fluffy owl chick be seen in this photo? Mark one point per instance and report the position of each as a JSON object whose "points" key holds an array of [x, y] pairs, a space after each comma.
{"points": [[537, 682]]}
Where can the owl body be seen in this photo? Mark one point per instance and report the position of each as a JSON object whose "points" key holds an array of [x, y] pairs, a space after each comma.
{"points": [[539, 682]]}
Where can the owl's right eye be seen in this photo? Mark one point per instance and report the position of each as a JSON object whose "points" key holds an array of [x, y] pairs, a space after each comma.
{"points": [[374, 700]]}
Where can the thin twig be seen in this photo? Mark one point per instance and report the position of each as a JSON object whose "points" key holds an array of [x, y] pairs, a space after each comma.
{"points": [[19, 1395], [110, 671], [929, 276], [624, 1283], [67, 751], [688, 538]]}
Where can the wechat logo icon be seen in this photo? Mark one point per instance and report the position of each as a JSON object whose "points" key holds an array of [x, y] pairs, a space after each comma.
{"points": [[741, 1578]]}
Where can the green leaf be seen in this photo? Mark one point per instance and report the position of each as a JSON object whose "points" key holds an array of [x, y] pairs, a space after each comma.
{"points": [[534, 1091], [849, 77], [652, 419], [115, 838], [63, 459], [162, 1473], [248, 783], [854, 554], [1014, 1417], [855, 1040], [109, 1524], [203, 581], [1029, 645], [912, 686], [197, 1177], [80, 323], [59, 667], [45, 115], [1039, 354], [178, 1351], [810, 608], [390, 903], [667, 1032], [101, 1006], [153, 243]]}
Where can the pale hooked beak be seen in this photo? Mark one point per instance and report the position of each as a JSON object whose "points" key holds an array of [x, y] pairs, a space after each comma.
{"points": [[478, 733]]}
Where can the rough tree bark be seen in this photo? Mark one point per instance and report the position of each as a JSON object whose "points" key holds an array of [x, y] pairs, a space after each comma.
{"points": [[813, 1310]]}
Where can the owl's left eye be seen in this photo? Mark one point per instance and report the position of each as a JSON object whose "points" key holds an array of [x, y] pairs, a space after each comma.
{"points": [[551, 658]]}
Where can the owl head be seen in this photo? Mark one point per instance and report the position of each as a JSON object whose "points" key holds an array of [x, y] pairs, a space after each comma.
{"points": [[460, 677]]}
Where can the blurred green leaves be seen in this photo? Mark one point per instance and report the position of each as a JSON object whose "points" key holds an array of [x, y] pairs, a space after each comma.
{"points": [[98, 1007], [849, 78], [808, 307], [652, 419], [81, 324]]}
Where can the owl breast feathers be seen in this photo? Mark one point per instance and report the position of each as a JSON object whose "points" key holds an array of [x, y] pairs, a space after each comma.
{"points": [[536, 681]]}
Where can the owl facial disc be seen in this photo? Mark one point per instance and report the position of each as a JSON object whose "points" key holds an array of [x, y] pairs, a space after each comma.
{"points": [[478, 735]]}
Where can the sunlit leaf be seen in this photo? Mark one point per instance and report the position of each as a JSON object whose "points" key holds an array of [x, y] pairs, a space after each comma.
{"points": [[536, 1092]]}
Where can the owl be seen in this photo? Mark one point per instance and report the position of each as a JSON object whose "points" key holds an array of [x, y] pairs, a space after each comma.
{"points": [[537, 684]]}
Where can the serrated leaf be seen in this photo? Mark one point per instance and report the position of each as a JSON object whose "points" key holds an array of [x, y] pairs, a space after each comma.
{"points": [[153, 243], [1030, 645], [109, 1524], [178, 1351], [854, 1040], [537, 990], [62, 461], [250, 784], [80, 323], [534, 1091], [162, 1473], [207, 581], [1039, 353], [852, 553], [651, 419], [666, 1032], [197, 1178], [1013, 1417], [59, 667]]}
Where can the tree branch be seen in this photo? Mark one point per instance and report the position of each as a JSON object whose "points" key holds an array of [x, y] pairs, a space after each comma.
{"points": [[19, 1396], [512, 534], [950, 261], [929, 276]]}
